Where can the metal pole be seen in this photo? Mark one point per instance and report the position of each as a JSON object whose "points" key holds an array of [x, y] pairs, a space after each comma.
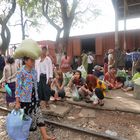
{"points": [[125, 14], [116, 27]]}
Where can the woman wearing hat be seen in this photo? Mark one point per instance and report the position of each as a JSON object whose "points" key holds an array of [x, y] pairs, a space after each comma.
{"points": [[26, 86], [111, 60]]}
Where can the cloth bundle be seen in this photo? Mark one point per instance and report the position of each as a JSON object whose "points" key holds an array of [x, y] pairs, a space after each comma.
{"points": [[28, 48]]}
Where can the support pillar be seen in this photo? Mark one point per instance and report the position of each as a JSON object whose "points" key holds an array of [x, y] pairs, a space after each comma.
{"points": [[116, 27], [125, 24]]}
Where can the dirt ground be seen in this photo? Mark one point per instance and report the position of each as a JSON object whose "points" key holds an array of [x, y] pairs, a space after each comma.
{"points": [[125, 125], [116, 123]]}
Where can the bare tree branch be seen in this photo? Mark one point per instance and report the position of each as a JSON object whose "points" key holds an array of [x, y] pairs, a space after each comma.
{"points": [[27, 20], [74, 6], [45, 6], [81, 12], [10, 13], [15, 24]]}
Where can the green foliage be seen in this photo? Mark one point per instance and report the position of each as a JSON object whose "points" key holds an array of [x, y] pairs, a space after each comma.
{"points": [[30, 15], [21, 2], [84, 12]]}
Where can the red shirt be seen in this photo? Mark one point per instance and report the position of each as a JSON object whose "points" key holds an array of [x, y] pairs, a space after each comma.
{"points": [[110, 78]]}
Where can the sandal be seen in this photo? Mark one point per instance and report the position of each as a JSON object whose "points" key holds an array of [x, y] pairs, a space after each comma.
{"points": [[58, 99], [102, 104], [88, 101]]}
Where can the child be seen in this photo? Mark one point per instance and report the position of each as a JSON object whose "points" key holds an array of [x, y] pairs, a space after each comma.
{"points": [[57, 86], [94, 90]]}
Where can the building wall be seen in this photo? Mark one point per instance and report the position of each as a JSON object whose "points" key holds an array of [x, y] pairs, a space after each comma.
{"points": [[104, 42]]}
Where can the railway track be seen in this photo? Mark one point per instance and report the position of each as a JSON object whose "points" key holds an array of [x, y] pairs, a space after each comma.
{"points": [[71, 129]]}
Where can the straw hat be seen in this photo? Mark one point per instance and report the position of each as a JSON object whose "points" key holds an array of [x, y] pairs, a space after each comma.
{"points": [[110, 51], [28, 48]]}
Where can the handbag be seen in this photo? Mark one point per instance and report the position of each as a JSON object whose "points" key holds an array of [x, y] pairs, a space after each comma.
{"points": [[18, 125]]}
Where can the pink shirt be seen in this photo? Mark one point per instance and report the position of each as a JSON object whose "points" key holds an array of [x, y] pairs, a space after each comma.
{"points": [[65, 64]]}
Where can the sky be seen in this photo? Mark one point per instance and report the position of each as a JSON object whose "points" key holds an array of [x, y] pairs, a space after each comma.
{"points": [[103, 23]]}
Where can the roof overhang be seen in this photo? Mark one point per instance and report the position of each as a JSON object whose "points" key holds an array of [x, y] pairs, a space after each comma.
{"points": [[132, 8]]}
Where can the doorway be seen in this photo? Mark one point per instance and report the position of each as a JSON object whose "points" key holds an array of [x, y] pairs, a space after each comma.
{"points": [[88, 45]]}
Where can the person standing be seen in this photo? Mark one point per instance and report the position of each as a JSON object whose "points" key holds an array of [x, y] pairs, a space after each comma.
{"points": [[106, 63], [2, 64], [111, 60], [9, 77], [84, 60], [119, 57], [26, 88], [44, 70], [75, 62], [65, 63], [90, 63], [128, 60]]}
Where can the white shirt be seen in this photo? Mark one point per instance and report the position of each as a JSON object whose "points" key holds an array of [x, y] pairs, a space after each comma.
{"points": [[44, 67], [110, 59], [90, 59]]}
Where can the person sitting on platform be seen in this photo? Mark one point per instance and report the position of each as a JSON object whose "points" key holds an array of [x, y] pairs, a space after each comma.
{"points": [[110, 79], [93, 90], [129, 84], [98, 72], [57, 86]]}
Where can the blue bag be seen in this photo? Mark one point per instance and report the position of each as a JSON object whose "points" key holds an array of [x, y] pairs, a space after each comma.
{"points": [[8, 90], [18, 128]]}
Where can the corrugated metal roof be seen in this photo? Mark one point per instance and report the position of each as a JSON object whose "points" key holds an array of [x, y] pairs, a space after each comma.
{"points": [[132, 6]]}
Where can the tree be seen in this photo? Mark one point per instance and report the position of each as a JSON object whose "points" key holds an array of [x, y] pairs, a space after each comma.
{"points": [[4, 18], [62, 14], [28, 17]]}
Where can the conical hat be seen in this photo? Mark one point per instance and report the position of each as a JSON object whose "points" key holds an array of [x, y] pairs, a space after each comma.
{"points": [[28, 48]]}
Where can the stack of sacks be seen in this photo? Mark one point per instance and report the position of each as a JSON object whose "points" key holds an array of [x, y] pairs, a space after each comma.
{"points": [[28, 48]]}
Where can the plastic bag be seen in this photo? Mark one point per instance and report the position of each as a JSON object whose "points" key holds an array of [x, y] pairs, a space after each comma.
{"points": [[121, 73], [67, 76], [17, 126], [83, 71], [75, 94], [8, 90], [95, 99]]}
